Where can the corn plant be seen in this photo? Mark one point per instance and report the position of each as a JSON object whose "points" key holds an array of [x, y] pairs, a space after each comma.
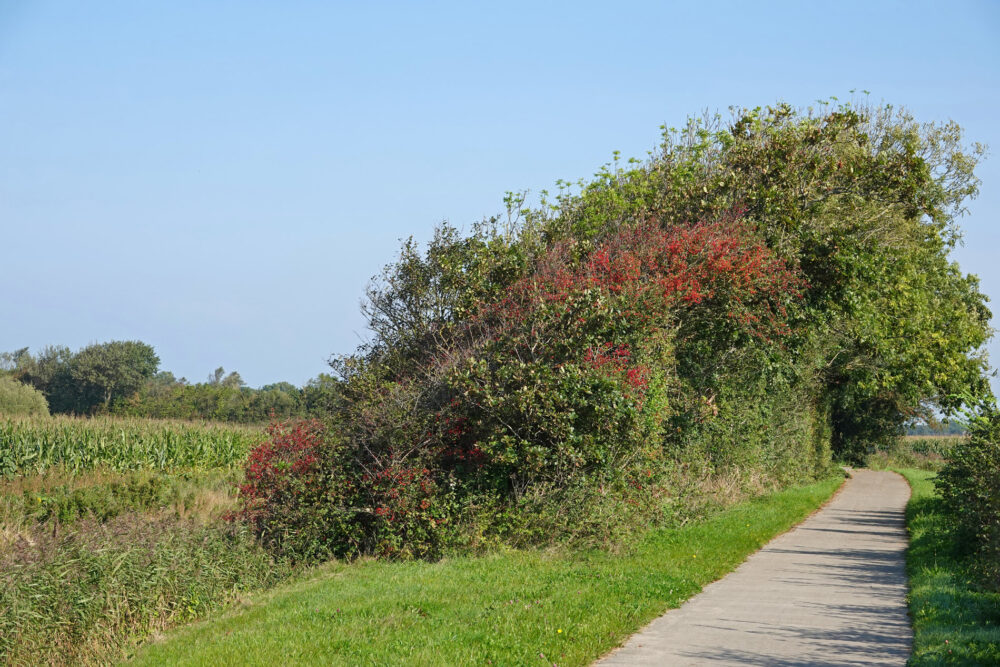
{"points": [[31, 445]]}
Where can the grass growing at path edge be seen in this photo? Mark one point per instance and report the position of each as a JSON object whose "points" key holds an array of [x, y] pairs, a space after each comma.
{"points": [[522, 607], [953, 622]]}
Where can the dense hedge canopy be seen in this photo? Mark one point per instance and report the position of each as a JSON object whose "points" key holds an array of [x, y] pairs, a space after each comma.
{"points": [[756, 293]]}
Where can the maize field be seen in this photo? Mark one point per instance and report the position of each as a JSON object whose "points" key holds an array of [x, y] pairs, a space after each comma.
{"points": [[30, 445]]}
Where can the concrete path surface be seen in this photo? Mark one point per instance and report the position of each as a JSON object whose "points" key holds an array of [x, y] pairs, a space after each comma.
{"points": [[828, 592]]}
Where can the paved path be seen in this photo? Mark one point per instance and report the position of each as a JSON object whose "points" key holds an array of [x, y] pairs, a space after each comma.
{"points": [[829, 592]]}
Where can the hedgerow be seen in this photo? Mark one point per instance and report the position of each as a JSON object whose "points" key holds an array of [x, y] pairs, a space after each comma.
{"points": [[563, 387], [753, 299]]}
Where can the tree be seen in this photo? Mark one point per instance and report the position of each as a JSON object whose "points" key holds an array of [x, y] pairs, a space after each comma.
{"points": [[233, 381], [105, 371], [11, 361], [215, 377], [48, 373], [20, 399], [320, 394]]}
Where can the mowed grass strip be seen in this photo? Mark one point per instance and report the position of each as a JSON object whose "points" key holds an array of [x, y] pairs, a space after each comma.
{"points": [[954, 622], [521, 607]]}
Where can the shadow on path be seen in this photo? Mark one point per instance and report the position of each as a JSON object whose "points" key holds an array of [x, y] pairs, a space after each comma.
{"points": [[829, 592]]}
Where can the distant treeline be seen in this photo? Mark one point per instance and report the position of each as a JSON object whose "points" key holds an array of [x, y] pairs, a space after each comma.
{"points": [[123, 378], [226, 399]]}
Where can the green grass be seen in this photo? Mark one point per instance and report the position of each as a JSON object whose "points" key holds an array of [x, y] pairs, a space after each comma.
{"points": [[93, 562], [520, 607], [953, 621], [92, 593]]}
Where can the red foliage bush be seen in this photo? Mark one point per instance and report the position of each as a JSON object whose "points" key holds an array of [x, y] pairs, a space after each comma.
{"points": [[281, 465], [284, 483], [307, 498], [658, 270], [574, 363]]}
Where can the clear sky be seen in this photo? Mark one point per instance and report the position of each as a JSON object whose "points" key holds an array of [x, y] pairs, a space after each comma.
{"points": [[221, 179]]}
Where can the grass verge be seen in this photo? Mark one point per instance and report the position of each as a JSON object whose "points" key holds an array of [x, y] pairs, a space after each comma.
{"points": [[954, 622], [521, 607], [92, 562]]}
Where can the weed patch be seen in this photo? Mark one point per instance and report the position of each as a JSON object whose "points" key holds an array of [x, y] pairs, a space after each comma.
{"points": [[85, 595]]}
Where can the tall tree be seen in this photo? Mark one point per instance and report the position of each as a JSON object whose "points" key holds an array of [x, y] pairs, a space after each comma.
{"points": [[48, 372], [105, 371]]}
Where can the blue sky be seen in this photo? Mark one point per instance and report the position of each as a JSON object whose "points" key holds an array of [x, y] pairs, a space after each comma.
{"points": [[221, 179]]}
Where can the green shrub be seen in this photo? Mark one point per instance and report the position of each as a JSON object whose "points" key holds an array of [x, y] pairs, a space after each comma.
{"points": [[101, 501], [970, 490], [20, 399]]}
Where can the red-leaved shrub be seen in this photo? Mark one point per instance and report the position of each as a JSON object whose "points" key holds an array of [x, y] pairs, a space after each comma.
{"points": [[307, 497]]}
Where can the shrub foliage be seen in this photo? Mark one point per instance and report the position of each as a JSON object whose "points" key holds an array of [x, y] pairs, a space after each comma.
{"points": [[751, 298], [970, 489]]}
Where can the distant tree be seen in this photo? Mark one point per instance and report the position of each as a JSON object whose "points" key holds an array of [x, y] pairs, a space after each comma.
{"points": [[121, 377], [165, 379], [48, 373], [231, 404], [111, 370], [20, 399], [215, 377], [275, 401], [233, 381], [286, 387], [10, 361], [320, 395]]}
